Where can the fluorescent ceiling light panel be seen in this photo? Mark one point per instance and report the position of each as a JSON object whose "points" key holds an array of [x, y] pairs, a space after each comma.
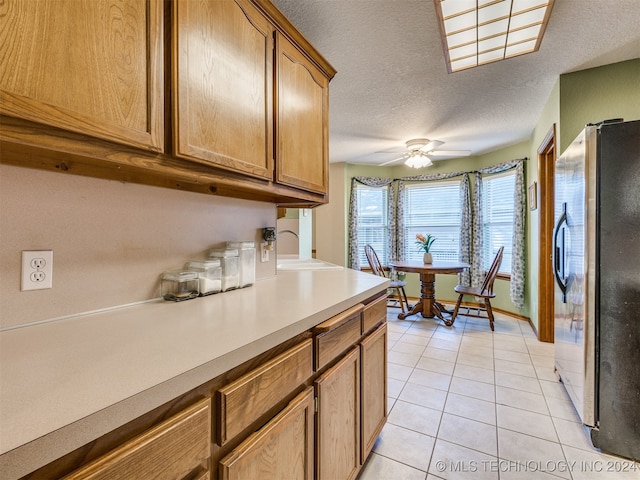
{"points": [[476, 32]]}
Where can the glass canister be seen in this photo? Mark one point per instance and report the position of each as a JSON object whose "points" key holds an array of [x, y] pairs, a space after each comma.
{"points": [[247, 258], [209, 275], [179, 285], [229, 261]]}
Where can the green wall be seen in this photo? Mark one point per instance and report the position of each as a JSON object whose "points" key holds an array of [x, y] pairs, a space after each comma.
{"points": [[446, 283], [549, 118], [578, 98], [590, 96]]}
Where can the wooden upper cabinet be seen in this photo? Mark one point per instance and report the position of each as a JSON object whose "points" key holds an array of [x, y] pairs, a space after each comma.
{"points": [[90, 67], [212, 96], [223, 85], [302, 98]]}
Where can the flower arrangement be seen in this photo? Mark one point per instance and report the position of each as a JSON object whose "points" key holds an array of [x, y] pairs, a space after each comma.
{"points": [[424, 243]]}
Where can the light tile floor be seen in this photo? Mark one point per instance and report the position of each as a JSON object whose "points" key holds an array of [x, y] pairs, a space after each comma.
{"points": [[465, 402]]}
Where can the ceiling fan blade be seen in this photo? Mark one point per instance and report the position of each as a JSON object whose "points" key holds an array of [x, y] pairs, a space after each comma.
{"points": [[393, 150], [404, 157], [432, 145], [449, 153]]}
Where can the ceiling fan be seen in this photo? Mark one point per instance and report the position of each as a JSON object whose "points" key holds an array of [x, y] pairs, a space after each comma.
{"points": [[420, 152]]}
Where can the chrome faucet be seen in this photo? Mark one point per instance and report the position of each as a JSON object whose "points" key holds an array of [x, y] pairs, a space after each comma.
{"points": [[289, 231]]}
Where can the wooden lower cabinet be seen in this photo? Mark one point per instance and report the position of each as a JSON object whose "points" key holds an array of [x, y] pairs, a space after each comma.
{"points": [[177, 448], [373, 357], [282, 449], [338, 419], [277, 416]]}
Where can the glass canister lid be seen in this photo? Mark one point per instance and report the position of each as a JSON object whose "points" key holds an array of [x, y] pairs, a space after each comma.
{"points": [[179, 275], [241, 245], [203, 264], [223, 253]]}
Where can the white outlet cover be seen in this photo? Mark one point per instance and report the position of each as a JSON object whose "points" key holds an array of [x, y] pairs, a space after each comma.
{"points": [[42, 257]]}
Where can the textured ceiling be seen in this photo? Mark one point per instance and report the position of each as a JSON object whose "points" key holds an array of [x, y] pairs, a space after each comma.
{"points": [[392, 84]]}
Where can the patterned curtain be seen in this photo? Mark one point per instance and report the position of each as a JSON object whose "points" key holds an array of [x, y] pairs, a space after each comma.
{"points": [[477, 275], [470, 225], [466, 226], [354, 260], [517, 263]]}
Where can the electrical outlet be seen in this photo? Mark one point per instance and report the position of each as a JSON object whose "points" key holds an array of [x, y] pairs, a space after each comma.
{"points": [[37, 270], [264, 252]]}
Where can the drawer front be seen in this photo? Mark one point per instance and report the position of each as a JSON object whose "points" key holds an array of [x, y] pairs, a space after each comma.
{"points": [[374, 313], [173, 449], [283, 448], [246, 399], [330, 344]]}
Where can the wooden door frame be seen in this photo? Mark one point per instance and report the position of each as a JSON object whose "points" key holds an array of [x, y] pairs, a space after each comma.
{"points": [[546, 165]]}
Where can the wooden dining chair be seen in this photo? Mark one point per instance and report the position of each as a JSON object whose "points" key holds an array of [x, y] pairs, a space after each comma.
{"points": [[485, 292], [397, 286]]}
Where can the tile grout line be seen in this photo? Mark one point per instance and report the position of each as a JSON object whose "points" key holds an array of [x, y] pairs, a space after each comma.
{"points": [[446, 398]]}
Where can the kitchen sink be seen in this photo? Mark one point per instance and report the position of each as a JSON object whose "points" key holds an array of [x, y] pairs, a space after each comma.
{"points": [[296, 263]]}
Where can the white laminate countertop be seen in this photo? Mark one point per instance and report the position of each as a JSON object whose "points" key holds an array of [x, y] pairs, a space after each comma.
{"points": [[67, 382]]}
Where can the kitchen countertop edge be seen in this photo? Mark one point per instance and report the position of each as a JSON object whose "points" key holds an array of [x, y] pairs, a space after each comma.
{"points": [[40, 451]]}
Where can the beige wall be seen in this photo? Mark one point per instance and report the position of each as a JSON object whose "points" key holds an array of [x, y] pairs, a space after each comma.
{"points": [[110, 240], [329, 221]]}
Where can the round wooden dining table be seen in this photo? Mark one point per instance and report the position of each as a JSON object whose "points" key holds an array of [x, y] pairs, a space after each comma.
{"points": [[428, 306]]}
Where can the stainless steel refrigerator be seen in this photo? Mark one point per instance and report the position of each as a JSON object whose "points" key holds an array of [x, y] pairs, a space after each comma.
{"points": [[597, 293]]}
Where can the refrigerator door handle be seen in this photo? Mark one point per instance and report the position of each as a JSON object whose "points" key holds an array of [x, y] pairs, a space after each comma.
{"points": [[558, 254]]}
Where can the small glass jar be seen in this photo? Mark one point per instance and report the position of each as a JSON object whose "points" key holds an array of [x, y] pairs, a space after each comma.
{"points": [[179, 285], [209, 275], [247, 261], [230, 267]]}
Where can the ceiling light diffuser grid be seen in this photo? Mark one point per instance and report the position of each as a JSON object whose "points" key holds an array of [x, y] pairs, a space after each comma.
{"points": [[476, 32]]}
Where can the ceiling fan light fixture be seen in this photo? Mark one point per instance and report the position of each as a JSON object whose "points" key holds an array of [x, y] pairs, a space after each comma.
{"points": [[476, 32], [418, 159]]}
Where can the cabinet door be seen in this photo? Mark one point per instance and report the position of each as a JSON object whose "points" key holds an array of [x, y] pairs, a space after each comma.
{"points": [[338, 420], [302, 120], [90, 67], [222, 97], [374, 387], [281, 450]]}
